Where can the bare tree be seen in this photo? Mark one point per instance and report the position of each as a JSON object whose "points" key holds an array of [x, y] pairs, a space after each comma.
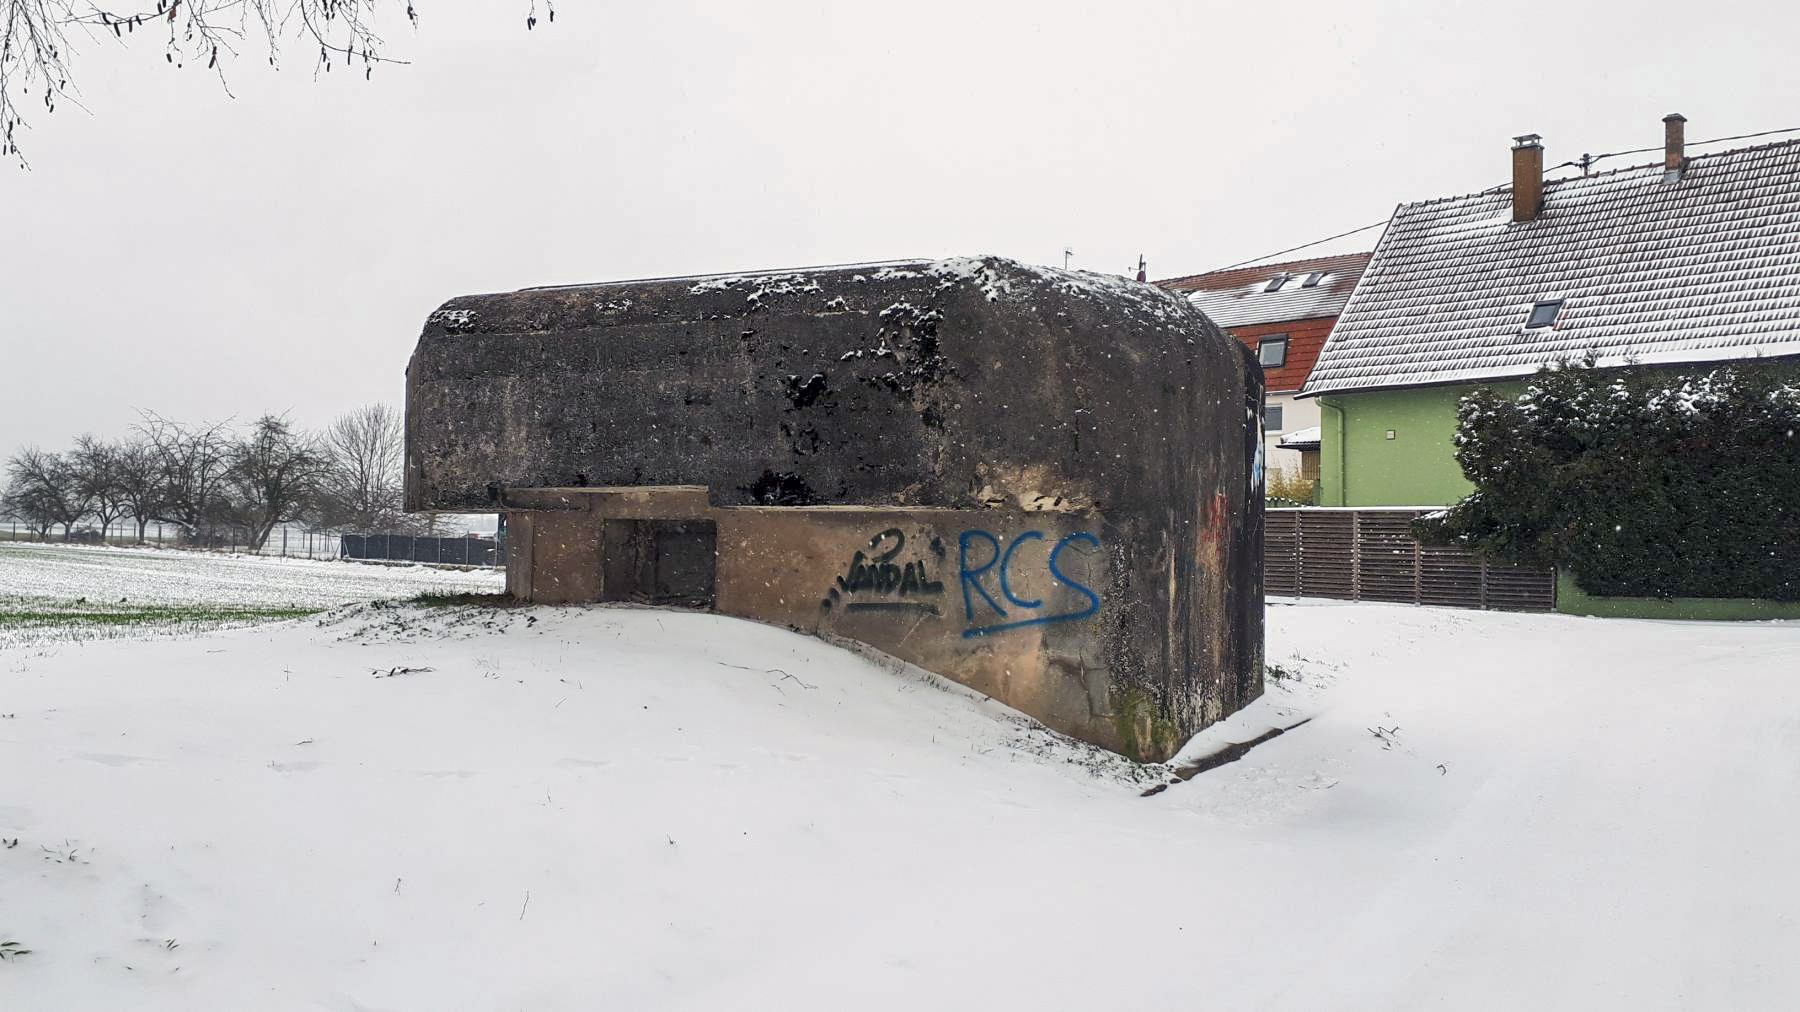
{"points": [[96, 472], [37, 39], [28, 503], [192, 461], [138, 478], [272, 477], [44, 489], [361, 488]]}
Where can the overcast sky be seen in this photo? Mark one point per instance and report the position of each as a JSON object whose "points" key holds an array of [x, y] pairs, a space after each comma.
{"points": [[203, 256]]}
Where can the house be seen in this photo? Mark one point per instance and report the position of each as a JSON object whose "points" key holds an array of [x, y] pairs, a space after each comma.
{"points": [[1283, 312], [1045, 485], [1305, 442], [1685, 261]]}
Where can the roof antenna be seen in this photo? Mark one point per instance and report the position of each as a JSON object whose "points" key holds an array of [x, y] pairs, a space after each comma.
{"points": [[1142, 267], [1584, 161], [1067, 253]]}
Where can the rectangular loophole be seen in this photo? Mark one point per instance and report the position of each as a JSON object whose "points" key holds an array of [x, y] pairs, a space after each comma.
{"points": [[661, 562]]}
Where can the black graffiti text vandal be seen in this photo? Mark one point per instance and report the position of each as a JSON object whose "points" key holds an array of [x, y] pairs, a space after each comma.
{"points": [[874, 581]]}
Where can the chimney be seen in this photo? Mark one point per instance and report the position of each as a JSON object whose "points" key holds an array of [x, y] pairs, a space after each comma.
{"points": [[1528, 177], [1674, 146]]}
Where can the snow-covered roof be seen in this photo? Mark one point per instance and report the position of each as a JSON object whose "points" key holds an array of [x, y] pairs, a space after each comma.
{"points": [[1309, 290], [1699, 269], [1307, 439]]}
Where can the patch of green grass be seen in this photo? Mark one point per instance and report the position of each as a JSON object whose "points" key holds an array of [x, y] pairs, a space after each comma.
{"points": [[142, 615], [60, 618]]}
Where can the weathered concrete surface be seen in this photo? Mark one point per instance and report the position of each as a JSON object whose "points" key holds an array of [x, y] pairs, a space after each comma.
{"points": [[1068, 409]]}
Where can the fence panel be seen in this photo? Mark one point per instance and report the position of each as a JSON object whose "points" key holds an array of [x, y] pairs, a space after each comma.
{"points": [[1281, 553], [1328, 554], [1451, 577], [1371, 555], [464, 551], [1387, 567], [1518, 588]]}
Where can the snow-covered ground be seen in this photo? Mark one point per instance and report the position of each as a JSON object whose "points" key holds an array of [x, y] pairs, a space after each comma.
{"points": [[404, 808], [55, 592]]}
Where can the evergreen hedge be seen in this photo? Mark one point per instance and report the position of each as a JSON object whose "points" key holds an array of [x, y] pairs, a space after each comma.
{"points": [[1640, 482]]}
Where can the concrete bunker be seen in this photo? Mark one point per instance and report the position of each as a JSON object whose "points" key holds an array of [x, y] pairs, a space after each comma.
{"points": [[1043, 484]]}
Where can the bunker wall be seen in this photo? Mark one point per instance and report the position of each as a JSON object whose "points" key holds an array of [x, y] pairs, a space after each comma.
{"points": [[983, 407]]}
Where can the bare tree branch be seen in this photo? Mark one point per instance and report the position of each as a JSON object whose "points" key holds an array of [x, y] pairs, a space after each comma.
{"points": [[36, 52], [192, 461]]}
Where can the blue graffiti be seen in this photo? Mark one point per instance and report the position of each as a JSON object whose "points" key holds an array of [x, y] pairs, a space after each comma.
{"points": [[972, 585]]}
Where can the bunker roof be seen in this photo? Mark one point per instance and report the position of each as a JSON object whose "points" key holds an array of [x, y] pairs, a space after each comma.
{"points": [[953, 383]]}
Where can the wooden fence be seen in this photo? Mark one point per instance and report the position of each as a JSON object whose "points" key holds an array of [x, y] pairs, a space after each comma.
{"points": [[1371, 555]]}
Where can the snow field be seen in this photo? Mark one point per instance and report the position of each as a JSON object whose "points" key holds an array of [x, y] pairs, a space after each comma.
{"points": [[61, 592], [419, 808]]}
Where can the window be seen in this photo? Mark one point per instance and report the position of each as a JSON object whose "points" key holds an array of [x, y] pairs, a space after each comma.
{"points": [[1313, 279], [1272, 351], [1271, 418], [1275, 283], [1543, 314]]}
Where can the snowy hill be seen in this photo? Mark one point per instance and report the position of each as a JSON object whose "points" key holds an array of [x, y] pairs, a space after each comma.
{"points": [[415, 808]]}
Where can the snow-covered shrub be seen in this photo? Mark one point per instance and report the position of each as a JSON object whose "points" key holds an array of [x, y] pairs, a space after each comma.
{"points": [[1641, 482]]}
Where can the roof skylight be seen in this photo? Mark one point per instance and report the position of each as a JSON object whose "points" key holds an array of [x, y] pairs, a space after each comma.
{"points": [[1275, 283], [1313, 279], [1543, 314]]}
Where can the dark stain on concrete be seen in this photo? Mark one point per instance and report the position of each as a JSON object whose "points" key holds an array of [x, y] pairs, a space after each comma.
{"points": [[783, 488]]}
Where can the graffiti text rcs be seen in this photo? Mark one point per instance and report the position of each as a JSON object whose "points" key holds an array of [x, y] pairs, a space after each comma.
{"points": [[987, 564]]}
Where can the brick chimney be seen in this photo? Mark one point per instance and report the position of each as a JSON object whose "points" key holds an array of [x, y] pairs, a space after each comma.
{"points": [[1528, 177], [1674, 146]]}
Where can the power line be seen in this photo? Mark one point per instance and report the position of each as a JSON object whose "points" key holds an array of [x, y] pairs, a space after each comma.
{"points": [[1586, 159], [1743, 137], [1292, 249]]}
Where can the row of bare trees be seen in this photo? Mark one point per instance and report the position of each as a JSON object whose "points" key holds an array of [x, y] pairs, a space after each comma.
{"points": [[218, 480]]}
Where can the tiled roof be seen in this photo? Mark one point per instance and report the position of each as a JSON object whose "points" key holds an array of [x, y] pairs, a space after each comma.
{"points": [[1701, 269], [1304, 339], [1239, 297]]}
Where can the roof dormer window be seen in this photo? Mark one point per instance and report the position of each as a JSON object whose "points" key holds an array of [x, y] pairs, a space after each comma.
{"points": [[1543, 314], [1275, 283]]}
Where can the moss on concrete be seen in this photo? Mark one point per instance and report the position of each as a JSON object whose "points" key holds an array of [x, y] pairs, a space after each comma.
{"points": [[1143, 732]]}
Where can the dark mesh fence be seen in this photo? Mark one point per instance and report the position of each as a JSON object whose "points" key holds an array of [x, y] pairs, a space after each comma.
{"points": [[435, 551], [289, 541]]}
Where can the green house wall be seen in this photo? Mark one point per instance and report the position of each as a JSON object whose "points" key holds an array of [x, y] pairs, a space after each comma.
{"points": [[1360, 466]]}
